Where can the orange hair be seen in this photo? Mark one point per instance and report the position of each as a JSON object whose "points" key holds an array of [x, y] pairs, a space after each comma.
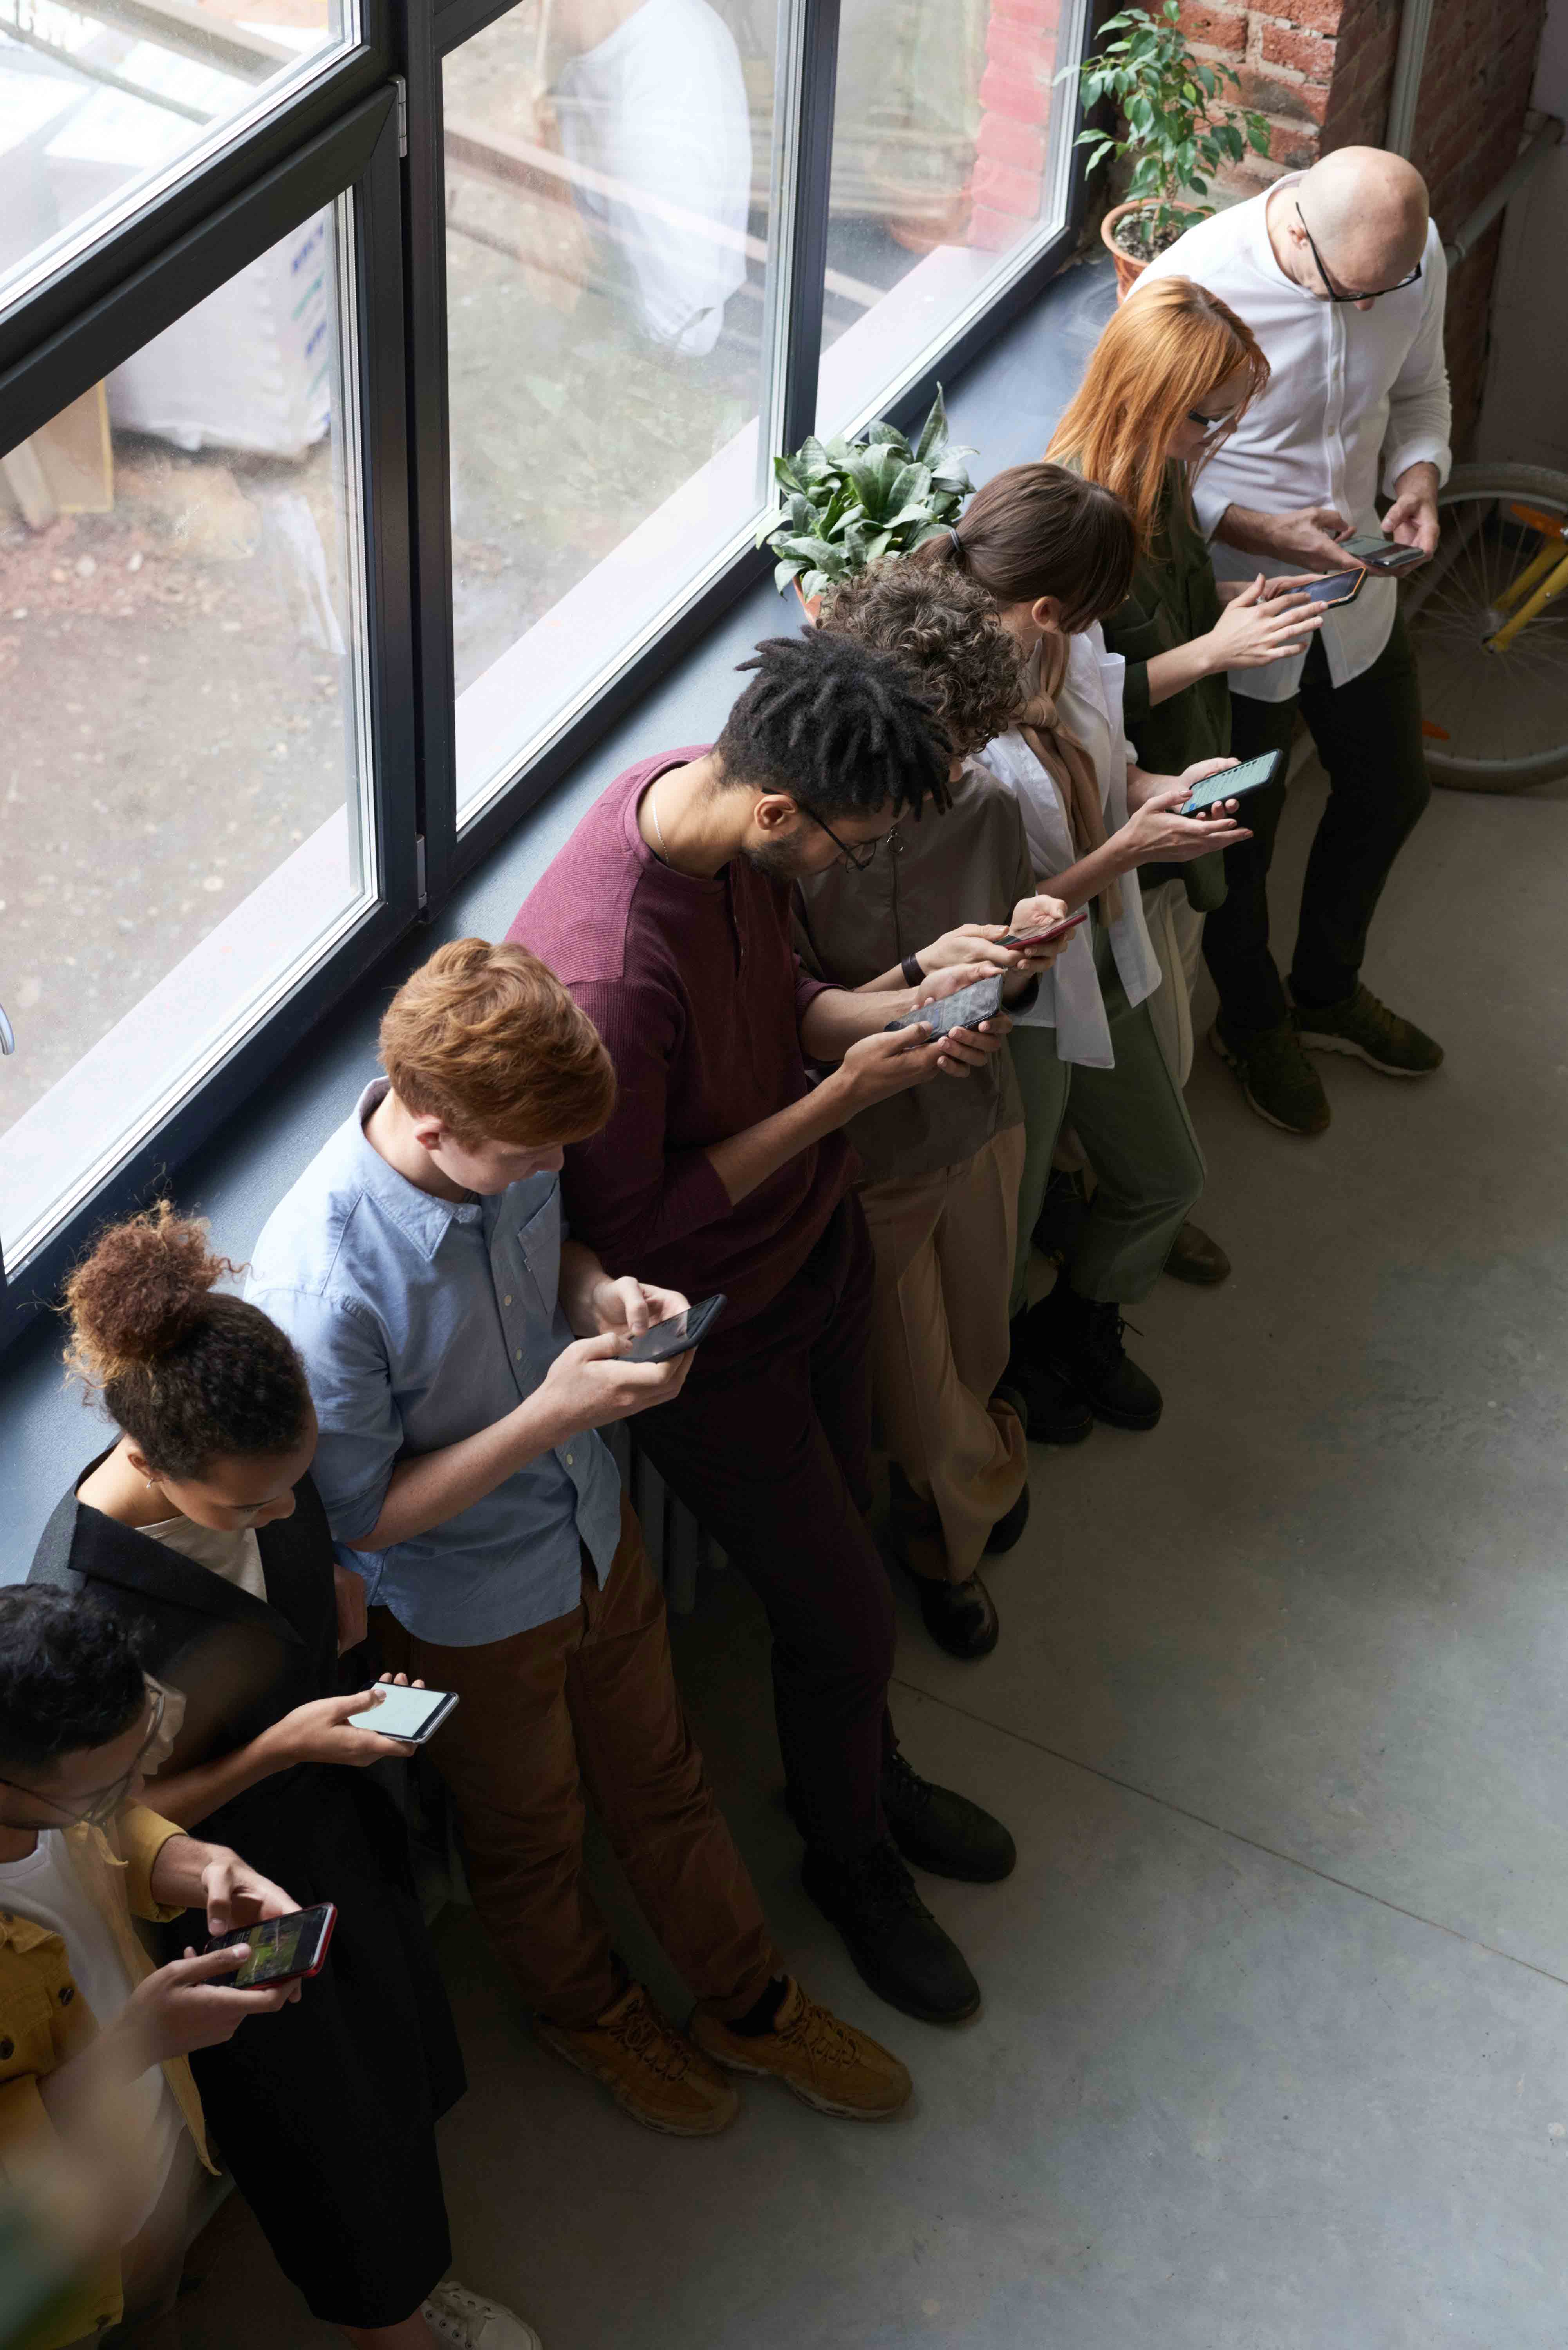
{"points": [[487, 1039], [1160, 353]]}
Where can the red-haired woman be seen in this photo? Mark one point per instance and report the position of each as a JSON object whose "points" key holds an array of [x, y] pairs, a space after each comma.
{"points": [[1166, 383]]}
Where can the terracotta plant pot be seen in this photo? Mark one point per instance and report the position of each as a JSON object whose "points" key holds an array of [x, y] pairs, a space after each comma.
{"points": [[812, 608], [1128, 268]]}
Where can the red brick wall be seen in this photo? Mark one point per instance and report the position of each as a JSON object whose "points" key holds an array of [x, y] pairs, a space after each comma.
{"points": [[1322, 70]]}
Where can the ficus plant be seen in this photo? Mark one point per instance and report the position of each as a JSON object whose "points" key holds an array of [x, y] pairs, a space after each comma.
{"points": [[846, 504], [1176, 126]]}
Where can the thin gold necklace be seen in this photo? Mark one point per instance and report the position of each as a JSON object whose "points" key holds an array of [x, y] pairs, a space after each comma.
{"points": [[659, 829]]}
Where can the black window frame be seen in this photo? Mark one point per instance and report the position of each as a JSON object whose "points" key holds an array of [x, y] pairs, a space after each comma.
{"points": [[369, 119], [358, 152]]}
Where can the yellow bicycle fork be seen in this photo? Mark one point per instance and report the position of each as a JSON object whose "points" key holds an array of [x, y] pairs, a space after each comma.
{"points": [[1544, 577]]}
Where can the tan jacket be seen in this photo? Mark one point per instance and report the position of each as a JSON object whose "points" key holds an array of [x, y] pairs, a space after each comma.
{"points": [[972, 865], [45, 2022]]}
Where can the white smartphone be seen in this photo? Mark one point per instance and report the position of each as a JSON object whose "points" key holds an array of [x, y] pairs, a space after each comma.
{"points": [[415, 1714]]}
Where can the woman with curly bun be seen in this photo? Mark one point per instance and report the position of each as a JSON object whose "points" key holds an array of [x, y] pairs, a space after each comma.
{"points": [[200, 1528], [941, 1164]]}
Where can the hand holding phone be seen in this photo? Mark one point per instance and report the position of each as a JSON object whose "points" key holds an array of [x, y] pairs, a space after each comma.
{"points": [[282, 1949], [1381, 554], [677, 1334], [1025, 939], [965, 1008], [412, 1715], [1233, 782]]}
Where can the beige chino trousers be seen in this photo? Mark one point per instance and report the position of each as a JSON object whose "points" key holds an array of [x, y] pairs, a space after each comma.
{"points": [[944, 1245]]}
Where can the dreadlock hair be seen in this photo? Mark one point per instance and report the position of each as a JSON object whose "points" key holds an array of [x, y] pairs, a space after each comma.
{"points": [[943, 626], [70, 1678], [838, 725], [187, 1376]]}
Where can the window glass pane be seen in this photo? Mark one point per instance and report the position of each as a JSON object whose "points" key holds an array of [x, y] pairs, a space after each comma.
{"points": [[949, 155], [183, 781], [103, 100], [609, 211]]}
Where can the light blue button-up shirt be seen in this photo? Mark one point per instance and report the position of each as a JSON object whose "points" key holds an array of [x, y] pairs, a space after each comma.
{"points": [[421, 1321]]}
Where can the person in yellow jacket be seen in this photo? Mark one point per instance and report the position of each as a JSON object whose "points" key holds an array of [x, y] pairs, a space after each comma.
{"points": [[88, 2024]]}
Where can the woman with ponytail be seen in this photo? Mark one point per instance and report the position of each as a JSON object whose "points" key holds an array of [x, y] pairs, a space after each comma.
{"points": [[1055, 554], [1168, 380], [200, 1528]]}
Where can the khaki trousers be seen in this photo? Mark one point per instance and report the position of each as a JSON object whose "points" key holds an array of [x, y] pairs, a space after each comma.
{"points": [[586, 1707], [944, 1244]]}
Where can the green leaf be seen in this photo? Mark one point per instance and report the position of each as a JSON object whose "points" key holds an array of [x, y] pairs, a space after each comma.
{"points": [[784, 573], [882, 435], [933, 431]]}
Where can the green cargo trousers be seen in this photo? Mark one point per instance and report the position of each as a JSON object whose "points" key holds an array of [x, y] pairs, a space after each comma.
{"points": [[1133, 1124]]}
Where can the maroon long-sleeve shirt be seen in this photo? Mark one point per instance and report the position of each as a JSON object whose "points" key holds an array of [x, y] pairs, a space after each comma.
{"points": [[695, 988]]}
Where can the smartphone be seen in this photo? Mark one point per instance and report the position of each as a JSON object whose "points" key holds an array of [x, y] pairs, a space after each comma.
{"points": [[1335, 587], [966, 1009], [1044, 938], [415, 1714], [1234, 783], [677, 1333], [281, 1947], [1370, 546]]}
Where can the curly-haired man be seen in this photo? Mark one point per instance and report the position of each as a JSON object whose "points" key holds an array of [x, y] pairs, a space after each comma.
{"points": [[723, 1169]]}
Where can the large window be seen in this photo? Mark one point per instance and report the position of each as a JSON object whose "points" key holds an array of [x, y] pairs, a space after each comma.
{"points": [[182, 654], [379, 411]]}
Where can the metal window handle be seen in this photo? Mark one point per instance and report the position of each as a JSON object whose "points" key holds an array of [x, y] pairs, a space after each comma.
{"points": [[7, 1033]]}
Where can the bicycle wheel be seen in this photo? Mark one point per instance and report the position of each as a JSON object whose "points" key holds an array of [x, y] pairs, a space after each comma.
{"points": [[1495, 721]]}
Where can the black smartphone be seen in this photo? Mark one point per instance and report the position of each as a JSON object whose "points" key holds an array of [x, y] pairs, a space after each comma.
{"points": [[1334, 588], [415, 1714], [1234, 783], [281, 1947], [966, 1009], [1044, 938], [677, 1333], [1380, 553]]}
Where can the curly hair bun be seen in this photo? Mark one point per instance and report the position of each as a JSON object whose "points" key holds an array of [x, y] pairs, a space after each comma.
{"points": [[139, 1292]]}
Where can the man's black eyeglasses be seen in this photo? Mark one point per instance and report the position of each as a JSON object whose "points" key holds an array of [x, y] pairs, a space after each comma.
{"points": [[861, 857], [102, 1801], [1337, 294]]}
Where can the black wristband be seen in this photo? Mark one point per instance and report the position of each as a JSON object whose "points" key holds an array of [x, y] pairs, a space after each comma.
{"points": [[913, 974]]}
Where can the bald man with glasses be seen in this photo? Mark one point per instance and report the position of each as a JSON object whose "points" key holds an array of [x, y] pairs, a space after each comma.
{"points": [[1339, 272]]}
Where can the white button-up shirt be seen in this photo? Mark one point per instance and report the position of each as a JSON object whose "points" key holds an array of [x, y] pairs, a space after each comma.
{"points": [[1090, 706], [1350, 390]]}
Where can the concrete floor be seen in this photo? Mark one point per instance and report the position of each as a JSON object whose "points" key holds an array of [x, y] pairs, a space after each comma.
{"points": [[1274, 2049]]}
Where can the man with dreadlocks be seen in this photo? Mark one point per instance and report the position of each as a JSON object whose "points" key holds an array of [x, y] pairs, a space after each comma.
{"points": [[723, 1169]]}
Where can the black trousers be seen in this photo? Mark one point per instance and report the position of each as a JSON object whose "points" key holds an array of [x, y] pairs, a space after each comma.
{"points": [[325, 2113], [1368, 736], [768, 1445]]}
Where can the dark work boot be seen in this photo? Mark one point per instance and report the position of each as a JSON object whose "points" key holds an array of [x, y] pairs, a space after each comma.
{"points": [[944, 1832], [1052, 1413], [897, 1945], [1081, 1339]]}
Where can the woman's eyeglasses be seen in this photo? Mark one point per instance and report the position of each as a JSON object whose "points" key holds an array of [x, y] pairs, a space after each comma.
{"points": [[1213, 428], [102, 1803]]}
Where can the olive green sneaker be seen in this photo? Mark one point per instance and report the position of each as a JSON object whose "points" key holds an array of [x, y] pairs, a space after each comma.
{"points": [[1371, 1032], [1279, 1081]]}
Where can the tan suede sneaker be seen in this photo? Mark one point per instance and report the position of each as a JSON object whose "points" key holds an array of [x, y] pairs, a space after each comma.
{"points": [[649, 2069], [829, 2064]]}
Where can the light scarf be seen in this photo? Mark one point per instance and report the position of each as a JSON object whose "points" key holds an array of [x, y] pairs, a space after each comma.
{"points": [[1068, 765]]}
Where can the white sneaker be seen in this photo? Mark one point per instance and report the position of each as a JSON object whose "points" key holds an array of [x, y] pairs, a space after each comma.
{"points": [[469, 2322]]}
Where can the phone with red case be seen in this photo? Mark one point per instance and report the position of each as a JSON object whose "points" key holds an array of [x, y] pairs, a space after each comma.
{"points": [[282, 1949]]}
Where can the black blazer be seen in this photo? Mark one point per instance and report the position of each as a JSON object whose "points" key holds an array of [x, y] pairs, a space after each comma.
{"points": [[242, 1662]]}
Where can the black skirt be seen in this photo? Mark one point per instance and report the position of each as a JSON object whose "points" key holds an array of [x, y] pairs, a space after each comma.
{"points": [[325, 2113]]}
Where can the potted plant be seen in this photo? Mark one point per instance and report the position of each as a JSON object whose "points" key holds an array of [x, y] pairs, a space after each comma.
{"points": [[844, 503], [1170, 126]]}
